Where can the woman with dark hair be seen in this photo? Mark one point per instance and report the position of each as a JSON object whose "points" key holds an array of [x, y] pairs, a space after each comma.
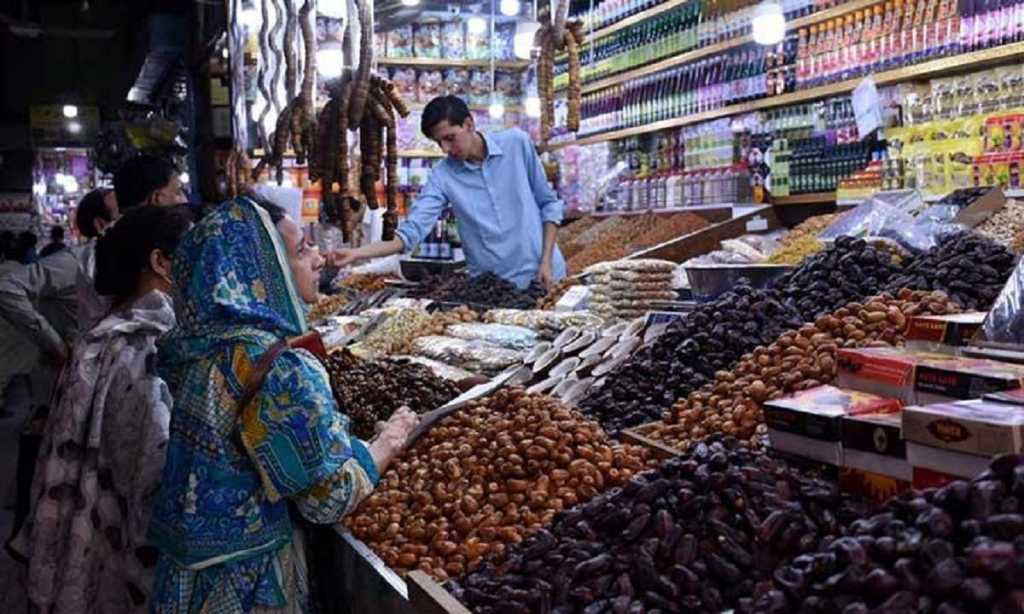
{"points": [[255, 426], [104, 444]]}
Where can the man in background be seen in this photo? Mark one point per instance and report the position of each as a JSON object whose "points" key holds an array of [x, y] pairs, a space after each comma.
{"points": [[148, 180], [56, 242], [27, 242]]}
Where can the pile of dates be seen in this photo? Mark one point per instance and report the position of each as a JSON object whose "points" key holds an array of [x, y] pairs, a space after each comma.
{"points": [[970, 268], [688, 354], [484, 290], [797, 360], [694, 535], [849, 270], [486, 477], [370, 391], [953, 550]]}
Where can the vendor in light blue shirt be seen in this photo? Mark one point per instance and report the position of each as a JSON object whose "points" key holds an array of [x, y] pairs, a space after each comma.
{"points": [[507, 212]]}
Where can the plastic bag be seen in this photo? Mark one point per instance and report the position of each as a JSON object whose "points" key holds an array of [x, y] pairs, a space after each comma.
{"points": [[875, 218], [478, 356], [1005, 320], [547, 323], [507, 336], [440, 369]]}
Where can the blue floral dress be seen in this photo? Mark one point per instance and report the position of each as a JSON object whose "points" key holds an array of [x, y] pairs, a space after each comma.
{"points": [[221, 520]]}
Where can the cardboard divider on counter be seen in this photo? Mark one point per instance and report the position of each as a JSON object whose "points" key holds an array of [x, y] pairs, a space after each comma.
{"points": [[428, 597]]}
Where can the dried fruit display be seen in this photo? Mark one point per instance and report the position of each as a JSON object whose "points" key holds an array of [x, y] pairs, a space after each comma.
{"points": [[959, 548], [1005, 225], [618, 236], [694, 535], [686, 357], [400, 329], [327, 306], [656, 228], [798, 360], [552, 38], [366, 282], [370, 391], [486, 477], [795, 251], [849, 270], [484, 290], [970, 268], [570, 233]]}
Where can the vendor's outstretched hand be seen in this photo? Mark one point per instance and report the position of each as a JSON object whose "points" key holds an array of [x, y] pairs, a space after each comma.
{"points": [[392, 437]]}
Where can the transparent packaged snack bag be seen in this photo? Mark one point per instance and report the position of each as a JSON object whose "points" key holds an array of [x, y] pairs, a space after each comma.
{"points": [[504, 335], [1004, 323]]}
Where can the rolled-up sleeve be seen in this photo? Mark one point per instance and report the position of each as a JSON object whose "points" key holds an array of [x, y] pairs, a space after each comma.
{"points": [[551, 207], [423, 213]]}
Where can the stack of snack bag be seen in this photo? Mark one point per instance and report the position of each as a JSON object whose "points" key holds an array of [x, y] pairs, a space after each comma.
{"points": [[627, 289]]}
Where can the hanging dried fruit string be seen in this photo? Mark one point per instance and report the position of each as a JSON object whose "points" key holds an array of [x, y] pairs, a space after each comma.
{"points": [[553, 38]]}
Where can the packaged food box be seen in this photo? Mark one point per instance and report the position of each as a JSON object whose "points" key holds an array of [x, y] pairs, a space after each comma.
{"points": [[1013, 397], [947, 334], [887, 372], [808, 423], [928, 461], [874, 443], [929, 478], [958, 378], [872, 486], [984, 428]]}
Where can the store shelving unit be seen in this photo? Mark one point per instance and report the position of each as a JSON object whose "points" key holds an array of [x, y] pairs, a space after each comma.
{"points": [[702, 52], [923, 70], [453, 63]]}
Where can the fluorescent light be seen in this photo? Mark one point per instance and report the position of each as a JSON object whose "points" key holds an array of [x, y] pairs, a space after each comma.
{"points": [[74, 127], [769, 23], [532, 105], [334, 9], [476, 25], [497, 110], [70, 111], [410, 2], [509, 8], [330, 61], [522, 43]]}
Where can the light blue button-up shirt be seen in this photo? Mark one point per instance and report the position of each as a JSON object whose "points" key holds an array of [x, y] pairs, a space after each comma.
{"points": [[501, 206]]}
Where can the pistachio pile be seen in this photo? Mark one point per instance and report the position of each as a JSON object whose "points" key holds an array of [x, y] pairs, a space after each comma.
{"points": [[1005, 225]]}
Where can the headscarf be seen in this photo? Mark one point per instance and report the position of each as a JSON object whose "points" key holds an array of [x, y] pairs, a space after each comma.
{"points": [[234, 284]]}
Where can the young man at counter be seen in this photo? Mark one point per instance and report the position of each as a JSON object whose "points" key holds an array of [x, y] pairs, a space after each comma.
{"points": [[508, 214]]}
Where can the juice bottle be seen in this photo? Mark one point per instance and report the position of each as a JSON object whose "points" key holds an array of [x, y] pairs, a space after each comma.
{"points": [[801, 57], [811, 63]]}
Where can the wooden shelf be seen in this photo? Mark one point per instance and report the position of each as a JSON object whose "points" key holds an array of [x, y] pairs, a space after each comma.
{"points": [[805, 199], [451, 63], [420, 153], [703, 52], [923, 70], [513, 108]]}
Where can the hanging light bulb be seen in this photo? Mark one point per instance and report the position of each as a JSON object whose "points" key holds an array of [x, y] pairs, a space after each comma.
{"points": [[769, 25], [532, 105], [185, 178], [509, 8], [250, 17], [522, 43], [74, 127], [329, 61], [335, 9], [496, 110], [70, 111], [410, 2], [476, 25]]}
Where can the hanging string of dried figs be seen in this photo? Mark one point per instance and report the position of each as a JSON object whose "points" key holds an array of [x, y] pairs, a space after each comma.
{"points": [[553, 38]]}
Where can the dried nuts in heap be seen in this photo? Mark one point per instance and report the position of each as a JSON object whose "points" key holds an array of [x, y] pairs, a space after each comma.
{"points": [[400, 329], [694, 535], [370, 391], [1005, 225], [485, 478], [970, 268], [366, 282], [327, 306], [798, 360], [686, 357], [952, 550]]}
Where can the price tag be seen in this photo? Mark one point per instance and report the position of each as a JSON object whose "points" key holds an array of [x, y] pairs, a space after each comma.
{"points": [[867, 107], [574, 299]]}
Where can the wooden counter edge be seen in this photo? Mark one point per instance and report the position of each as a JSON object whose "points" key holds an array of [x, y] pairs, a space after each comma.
{"points": [[428, 597], [660, 450]]}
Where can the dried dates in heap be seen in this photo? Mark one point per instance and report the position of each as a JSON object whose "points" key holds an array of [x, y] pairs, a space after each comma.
{"points": [[694, 535], [486, 477], [685, 358], [953, 550], [486, 289]]}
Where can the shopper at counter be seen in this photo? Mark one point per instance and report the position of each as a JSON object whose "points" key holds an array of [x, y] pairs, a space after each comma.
{"points": [[255, 425], [103, 448], [507, 212]]}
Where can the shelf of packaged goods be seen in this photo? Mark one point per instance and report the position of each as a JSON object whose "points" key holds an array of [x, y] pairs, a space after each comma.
{"points": [[703, 52], [923, 70], [453, 63], [804, 199], [420, 153], [509, 108]]}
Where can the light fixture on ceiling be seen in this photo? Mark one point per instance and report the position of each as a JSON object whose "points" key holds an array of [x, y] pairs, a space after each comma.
{"points": [[70, 111], [522, 42], [410, 2], [532, 105], [330, 61], [476, 25], [74, 127], [335, 9], [249, 16], [509, 8], [769, 25], [496, 110]]}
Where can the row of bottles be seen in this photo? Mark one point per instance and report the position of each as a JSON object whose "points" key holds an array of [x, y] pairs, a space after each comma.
{"points": [[746, 74], [443, 242]]}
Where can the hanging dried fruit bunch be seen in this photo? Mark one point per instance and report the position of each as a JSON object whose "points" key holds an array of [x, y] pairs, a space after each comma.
{"points": [[551, 39], [238, 167]]}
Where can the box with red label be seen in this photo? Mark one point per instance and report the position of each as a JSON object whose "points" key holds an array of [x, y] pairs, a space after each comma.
{"points": [[983, 428], [872, 486], [942, 461], [947, 334], [874, 443], [959, 378], [887, 372], [929, 478], [808, 423]]}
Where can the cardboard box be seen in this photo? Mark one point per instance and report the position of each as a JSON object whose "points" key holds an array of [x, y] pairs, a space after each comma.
{"points": [[874, 443], [1012, 397], [887, 372], [872, 486], [948, 462], [960, 378], [947, 334], [983, 428], [929, 478], [808, 423]]}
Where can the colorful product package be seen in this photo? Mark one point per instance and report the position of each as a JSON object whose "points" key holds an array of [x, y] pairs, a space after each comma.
{"points": [[478, 45], [479, 87], [431, 84], [504, 40], [508, 86], [456, 82], [427, 39], [453, 40], [405, 80], [400, 42]]}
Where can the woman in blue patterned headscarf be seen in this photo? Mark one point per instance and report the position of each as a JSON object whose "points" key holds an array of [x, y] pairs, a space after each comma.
{"points": [[221, 521]]}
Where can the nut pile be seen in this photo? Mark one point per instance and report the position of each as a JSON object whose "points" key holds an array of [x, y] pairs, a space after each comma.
{"points": [[656, 228], [796, 250], [370, 391], [484, 478], [956, 549], [327, 306], [569, 235], [694, 535], [395, 334], [365, 282], [619, 238], [686, 357], [485, 290], [849, 270], [970, 268], [798, 360], [1005, 225]]}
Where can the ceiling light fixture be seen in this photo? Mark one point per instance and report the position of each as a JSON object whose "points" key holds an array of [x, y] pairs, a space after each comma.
{"points": [[476, 25], [769, 25], [509, 8], [70, 111]]}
